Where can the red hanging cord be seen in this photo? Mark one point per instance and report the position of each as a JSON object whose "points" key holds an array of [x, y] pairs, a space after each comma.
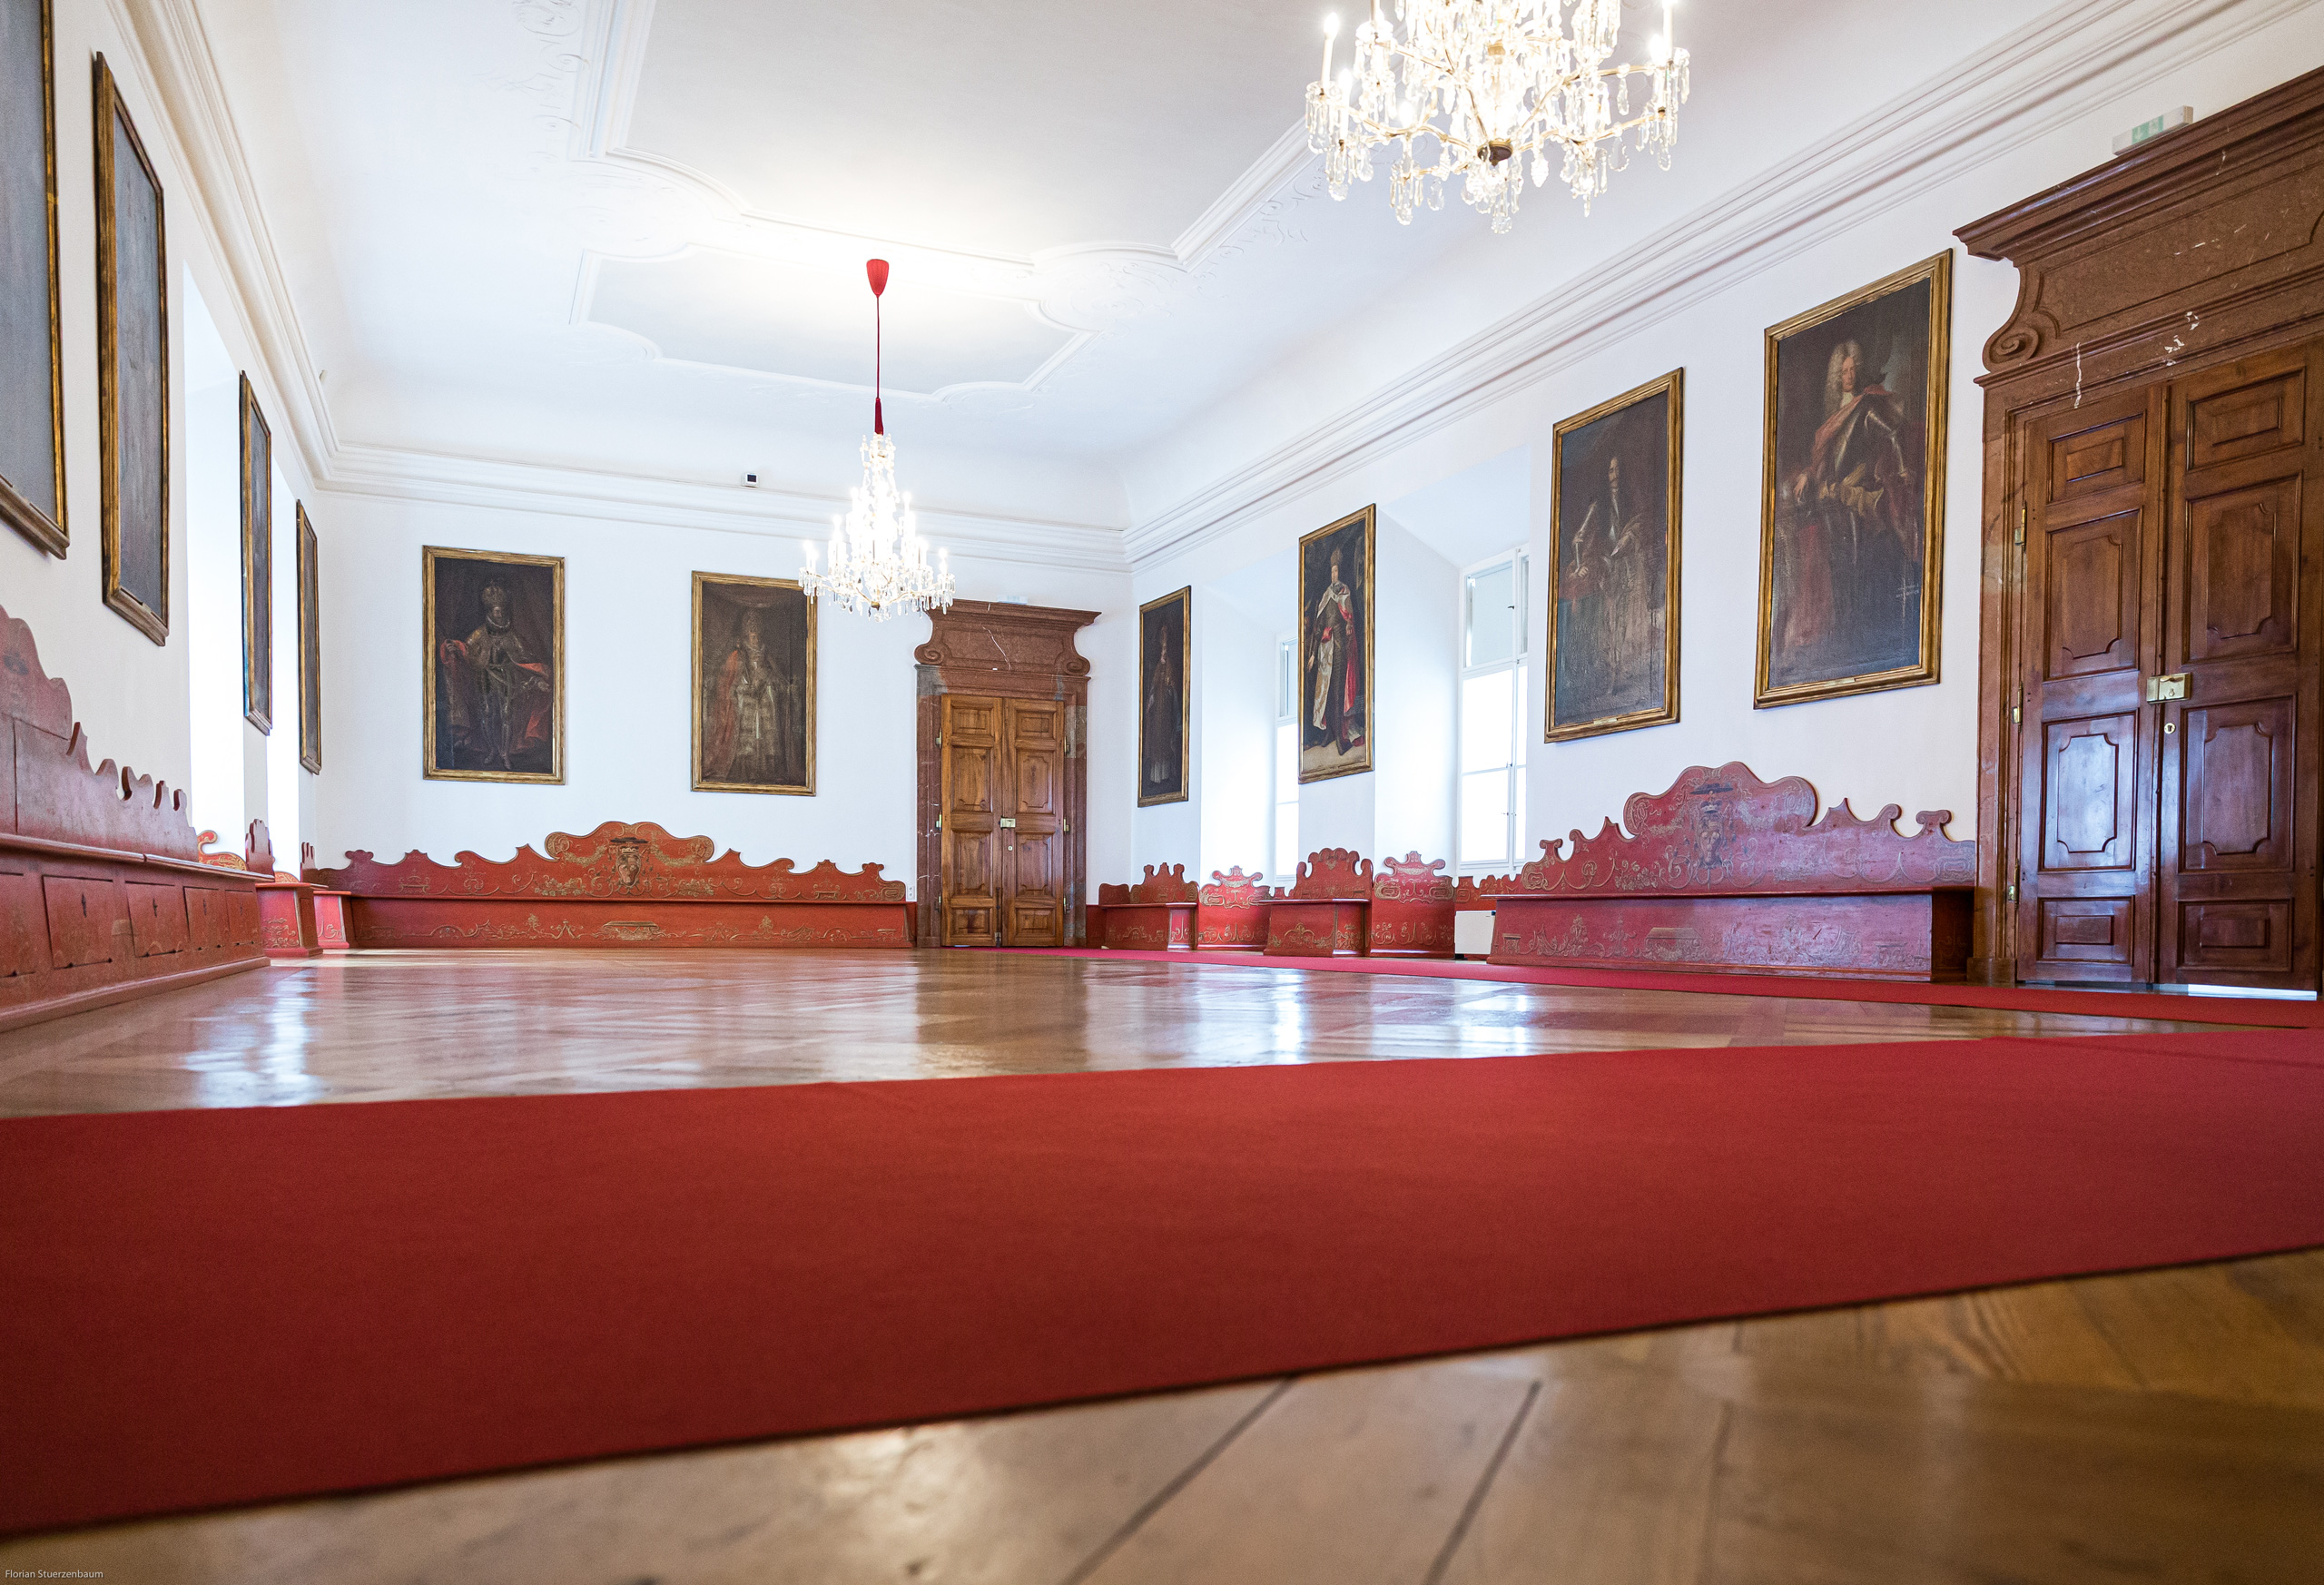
{"points": [[876, 270]]}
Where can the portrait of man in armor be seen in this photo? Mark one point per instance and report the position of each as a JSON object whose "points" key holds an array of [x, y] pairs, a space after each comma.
{"points": [[1614, 583], [753, 686], [1335, 649], [1854, 511], [496, 666]]}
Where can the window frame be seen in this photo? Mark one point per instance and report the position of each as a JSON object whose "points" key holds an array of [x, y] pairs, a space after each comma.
{"points": [[1517, 558], [1286, 713]]}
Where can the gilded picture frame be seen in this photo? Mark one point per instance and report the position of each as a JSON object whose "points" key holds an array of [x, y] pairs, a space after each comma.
{"points": [[310, 644], [752, 735], [1852, 493], [1337, 735], [32, 441], [133, 368], [492, 670], [258, 560], [1165, 759], [1616, 516]]}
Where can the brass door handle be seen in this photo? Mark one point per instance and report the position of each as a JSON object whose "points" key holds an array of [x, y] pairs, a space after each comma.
{"points": [[1009, 823], [2169, 686]]}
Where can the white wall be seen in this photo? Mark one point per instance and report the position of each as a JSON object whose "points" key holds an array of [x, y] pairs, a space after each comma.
{"points": [[1915, 748], [127, 691], [172, 711], [628, 618]]}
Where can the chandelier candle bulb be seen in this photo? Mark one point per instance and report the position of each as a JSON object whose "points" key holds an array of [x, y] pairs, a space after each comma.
{"points": [[1492, 82]]}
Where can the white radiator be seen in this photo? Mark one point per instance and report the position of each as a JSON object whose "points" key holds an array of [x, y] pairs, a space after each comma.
{"points": [[1472, 934]]}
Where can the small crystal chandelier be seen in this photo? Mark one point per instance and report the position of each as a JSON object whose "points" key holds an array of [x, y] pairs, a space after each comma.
{"points": [[879, 561], [1499, 84]]}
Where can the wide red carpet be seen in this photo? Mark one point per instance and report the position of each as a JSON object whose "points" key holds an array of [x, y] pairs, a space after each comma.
{"points": [[207, 1308]]}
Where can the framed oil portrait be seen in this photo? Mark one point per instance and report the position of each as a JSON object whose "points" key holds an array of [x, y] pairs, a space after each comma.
{"points": [[32, 318], [492, 665], [1164, 625], [753, 686], [132, 370], [1851, 505], [258, 563], [310, 648], [1336, 649], [1614, 513]]}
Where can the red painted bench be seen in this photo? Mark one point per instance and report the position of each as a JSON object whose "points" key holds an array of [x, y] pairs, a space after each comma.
{"points": [[1724, 873]]}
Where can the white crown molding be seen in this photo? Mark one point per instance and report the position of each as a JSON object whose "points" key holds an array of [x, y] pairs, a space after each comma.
{"points": [[180, 70], [2058, 68], [511, 484]]}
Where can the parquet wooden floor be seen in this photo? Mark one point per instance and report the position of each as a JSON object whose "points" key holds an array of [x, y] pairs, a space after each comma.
{"points": [[2156, 1426]]}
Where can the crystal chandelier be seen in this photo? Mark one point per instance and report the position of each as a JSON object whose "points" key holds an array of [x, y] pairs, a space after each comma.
{"points": [[1499, 84], [879, 563]]}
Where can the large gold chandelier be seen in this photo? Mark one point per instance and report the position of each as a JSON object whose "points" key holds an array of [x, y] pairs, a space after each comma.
{"points": [[1500, 86], [879, 564]]}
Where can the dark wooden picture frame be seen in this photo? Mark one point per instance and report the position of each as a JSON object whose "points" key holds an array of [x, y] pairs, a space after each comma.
{"points": [[1336, 735], [1852, 498], [310, 646], [492, 666], [133, 368], [729, 611], [1615, 511], [257, 561], [1165, 627], [32, 431]]}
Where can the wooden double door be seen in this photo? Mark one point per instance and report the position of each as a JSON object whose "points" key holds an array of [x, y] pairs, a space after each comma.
{"points": [[1002, 821], [2169, 680]]}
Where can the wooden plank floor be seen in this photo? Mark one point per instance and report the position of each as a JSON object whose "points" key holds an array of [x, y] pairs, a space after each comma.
{"points": [[2155, 1426]]}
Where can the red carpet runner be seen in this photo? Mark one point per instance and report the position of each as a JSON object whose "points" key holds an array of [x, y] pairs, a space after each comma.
{"points": [[211, 1308]]}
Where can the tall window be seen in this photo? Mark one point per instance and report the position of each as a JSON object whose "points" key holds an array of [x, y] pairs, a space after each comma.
{"points": [[1493, 710], [1286, 759]]}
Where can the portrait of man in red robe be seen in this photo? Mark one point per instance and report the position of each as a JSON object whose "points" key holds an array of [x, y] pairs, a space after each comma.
{"points": [[755, 691], [1334, 645], [497, 670], [1849, 519]]}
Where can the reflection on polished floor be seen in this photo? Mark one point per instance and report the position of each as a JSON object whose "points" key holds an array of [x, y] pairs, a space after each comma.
{"points": [[2161, 1425], [397, 1026]]}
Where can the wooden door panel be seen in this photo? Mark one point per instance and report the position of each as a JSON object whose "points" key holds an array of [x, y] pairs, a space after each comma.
{"points": [[2088, 458], [205, 919], [2266, 415], [2237, 861], [2236, 765], [81, 919], [157, 920], [2087, 930], [2092, 590], [1032, 892], [2236, 938], [24, 926], [2086, 852], [971, 778], [2088, 814], [2242, 569]]}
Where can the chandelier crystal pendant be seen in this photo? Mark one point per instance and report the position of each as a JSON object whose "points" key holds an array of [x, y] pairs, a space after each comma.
{"points": [[879, 563], [1500, 86]]}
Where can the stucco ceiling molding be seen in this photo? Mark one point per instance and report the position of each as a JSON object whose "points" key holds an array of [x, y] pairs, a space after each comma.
{"points": [[510, 484], [1084, 289], [2054, 70]]}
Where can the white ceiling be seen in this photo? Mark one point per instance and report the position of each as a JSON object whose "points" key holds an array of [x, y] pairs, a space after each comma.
{"points": [[629, 234]]}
